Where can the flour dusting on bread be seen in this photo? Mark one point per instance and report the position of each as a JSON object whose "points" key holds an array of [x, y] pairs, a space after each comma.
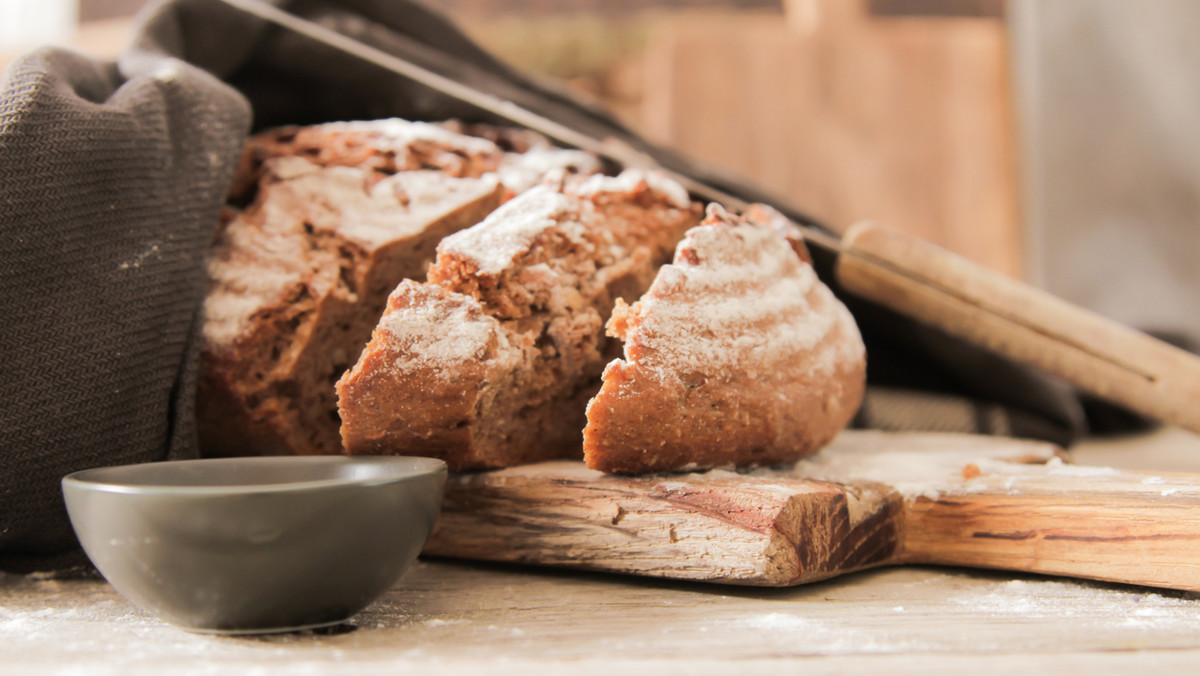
{"points": [[548, 267], [736, 355], [323, 223]]}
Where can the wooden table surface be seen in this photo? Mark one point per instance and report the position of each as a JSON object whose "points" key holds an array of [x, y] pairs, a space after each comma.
{"points": [[450, 618]]}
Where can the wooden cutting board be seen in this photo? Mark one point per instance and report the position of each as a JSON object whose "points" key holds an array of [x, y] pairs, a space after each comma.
{"points": [[870, 499]]}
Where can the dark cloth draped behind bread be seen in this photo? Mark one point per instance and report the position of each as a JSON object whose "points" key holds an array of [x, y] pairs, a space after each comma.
{"points": [[112, 176]]}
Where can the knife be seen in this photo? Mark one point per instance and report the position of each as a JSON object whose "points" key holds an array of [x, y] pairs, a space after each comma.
{"points": [[900, 272]]}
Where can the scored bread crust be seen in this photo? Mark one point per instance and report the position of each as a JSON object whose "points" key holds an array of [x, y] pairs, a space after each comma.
{"points": [[336, 216], [492, 361], [737, 356], [519, 158]]}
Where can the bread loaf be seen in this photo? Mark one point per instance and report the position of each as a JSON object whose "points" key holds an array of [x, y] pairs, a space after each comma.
{"points": [[737, 356], [335, 217], [491, 362]]}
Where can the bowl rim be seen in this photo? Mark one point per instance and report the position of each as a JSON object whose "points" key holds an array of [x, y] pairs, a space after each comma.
{"points": [[93, 479]]}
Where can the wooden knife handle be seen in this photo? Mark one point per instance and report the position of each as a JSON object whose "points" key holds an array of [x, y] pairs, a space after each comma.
{"points": [[1089, 522], [1022, 323]]}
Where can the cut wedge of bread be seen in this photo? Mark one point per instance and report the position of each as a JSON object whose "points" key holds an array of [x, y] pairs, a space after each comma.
{"points": [[492, 361]]}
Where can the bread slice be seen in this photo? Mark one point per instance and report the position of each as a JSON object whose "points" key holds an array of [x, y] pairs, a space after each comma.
{"points": [[492, 361], [737, 355], [338, 215]]}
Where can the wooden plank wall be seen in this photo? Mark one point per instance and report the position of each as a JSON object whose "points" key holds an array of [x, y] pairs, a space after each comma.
{"points": [[906, 120]]}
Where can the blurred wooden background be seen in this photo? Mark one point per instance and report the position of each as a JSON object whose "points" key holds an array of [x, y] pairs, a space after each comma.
{"points": [[898, 111]]}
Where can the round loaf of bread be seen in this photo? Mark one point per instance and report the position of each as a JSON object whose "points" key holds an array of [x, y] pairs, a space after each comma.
{"points": [[736, 356]]}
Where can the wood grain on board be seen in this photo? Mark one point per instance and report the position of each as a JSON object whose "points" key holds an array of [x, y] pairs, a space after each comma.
{"points": [[868, 500]]}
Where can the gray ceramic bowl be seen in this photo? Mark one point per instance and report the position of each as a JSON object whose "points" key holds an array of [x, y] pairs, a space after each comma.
{"points": [[253, 545]]}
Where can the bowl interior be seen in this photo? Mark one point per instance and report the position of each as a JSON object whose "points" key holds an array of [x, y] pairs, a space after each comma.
{"points": [[261, 473]]}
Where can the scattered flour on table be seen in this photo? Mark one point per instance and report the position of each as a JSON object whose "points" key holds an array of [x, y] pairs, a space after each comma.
{"points": [[439, 622], [821, 636], [777, 622], [1051, 599]]}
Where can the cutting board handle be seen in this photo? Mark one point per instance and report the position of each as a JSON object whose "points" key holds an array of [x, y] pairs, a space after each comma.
{"points": [[1022, 323], [1089, 522]]}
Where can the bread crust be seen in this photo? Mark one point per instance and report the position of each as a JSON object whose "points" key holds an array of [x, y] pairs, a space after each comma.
{"points": [[547, 269], [293, 298], [334, 217], [736, 356]]}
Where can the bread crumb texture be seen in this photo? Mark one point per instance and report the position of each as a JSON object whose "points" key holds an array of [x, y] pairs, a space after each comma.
{"points": [[496, 365]]}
